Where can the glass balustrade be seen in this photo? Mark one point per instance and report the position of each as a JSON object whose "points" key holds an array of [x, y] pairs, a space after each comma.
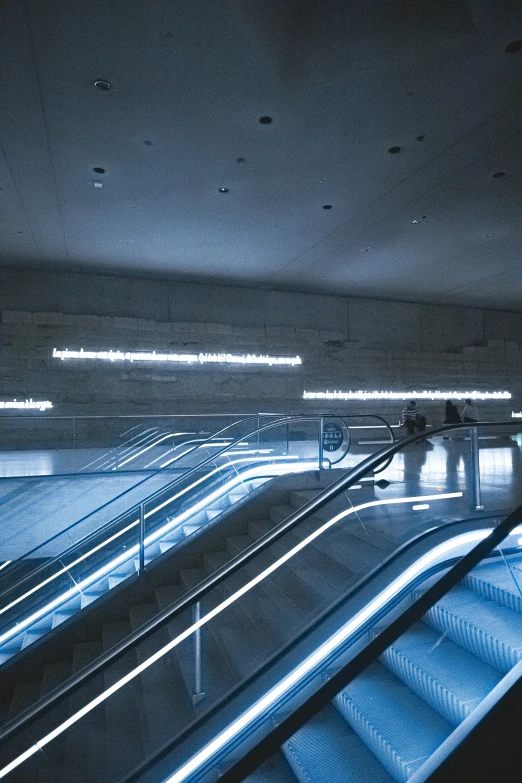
{"points": [[291, 602]]}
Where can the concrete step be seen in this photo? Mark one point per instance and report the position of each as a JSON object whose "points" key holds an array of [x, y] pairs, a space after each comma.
{"points": [[122, 732], [164, 703]]}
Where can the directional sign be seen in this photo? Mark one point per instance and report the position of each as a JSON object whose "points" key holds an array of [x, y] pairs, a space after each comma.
{"points": [[332, 436]]}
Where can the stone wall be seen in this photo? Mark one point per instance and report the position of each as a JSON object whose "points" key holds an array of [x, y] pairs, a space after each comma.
{"points": [[344, 343]]}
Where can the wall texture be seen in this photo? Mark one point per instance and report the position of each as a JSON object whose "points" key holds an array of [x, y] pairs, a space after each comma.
{"points": [[345, 343]]}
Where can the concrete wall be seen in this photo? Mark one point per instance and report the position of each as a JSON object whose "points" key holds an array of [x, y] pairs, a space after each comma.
{"points": [[345, 343]]}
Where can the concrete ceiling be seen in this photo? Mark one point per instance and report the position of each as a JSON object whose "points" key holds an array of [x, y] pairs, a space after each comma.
{"points": [[342, 81]]}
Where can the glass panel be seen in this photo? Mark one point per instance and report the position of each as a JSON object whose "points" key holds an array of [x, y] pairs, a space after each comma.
{"points": [[340, 571]]}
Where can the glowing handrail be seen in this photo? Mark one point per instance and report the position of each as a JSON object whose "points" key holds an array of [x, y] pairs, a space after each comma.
{"points": [[196, 594], [108, 692], [116, 519], [130, 553], [186, 474]]}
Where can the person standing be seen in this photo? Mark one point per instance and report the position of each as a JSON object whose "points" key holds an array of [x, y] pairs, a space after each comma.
{"points": [[452, 414], [469, 412]]}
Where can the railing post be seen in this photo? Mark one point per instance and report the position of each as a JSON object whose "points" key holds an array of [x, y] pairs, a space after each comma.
{"points": [[475, 464], [198, 690], [141, 565], [321, 447]]}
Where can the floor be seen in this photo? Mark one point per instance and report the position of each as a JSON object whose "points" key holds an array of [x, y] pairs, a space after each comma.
{"points": [[38, 504]]}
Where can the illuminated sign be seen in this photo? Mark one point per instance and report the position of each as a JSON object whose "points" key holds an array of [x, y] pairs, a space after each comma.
{"points": [[516, 415], [26, 405], [181, 358], [407, 395]]}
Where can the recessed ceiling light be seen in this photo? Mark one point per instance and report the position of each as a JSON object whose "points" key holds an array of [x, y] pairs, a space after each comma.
{"points": [[514, 46], [327, 206], [489, 235], [223, 190], [99, 170], [321, 181], [265, 120], [394, 150], [499, 174], [98, 184], [102, 84], [414, 221]]}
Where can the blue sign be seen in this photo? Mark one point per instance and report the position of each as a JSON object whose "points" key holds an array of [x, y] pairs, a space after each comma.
{"points": [[332, 436]]}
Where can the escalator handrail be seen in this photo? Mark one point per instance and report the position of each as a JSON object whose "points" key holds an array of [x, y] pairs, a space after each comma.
{"points": [[197, 593], [292, 722], [186, 474], [118, 497]]}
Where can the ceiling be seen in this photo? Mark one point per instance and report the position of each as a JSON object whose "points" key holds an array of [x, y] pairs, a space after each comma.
{"points": [[342, 81]]}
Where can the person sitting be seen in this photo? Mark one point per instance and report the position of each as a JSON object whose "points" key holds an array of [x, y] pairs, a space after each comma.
{"points": [[452, 414], [412, 419], [469, 412]]}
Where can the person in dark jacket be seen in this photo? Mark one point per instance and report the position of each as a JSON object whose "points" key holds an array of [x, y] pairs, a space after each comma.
{"points": [[452, 414]]}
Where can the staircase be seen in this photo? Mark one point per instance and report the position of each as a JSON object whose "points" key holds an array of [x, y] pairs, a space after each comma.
{"points": [[163, 700]]}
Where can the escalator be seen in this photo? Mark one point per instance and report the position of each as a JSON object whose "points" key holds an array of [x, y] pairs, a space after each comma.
{"points": [[53, 581], [388, 722], [249, 633]]}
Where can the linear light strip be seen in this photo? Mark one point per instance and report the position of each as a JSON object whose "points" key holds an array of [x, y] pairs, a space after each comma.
{"points": [[146, 448], [150, 446], [406, 395], [30, 404], [206, 753], [133, 551], [183, 358]]}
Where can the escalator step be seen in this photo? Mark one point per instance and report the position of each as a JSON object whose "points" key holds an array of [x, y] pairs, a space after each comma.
{"points": [[327, 750], [498, 583], [398, 727], [488, 630], [450, 679]]}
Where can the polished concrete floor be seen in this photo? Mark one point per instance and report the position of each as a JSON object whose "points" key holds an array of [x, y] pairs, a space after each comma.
{"points": [[35, 507]]}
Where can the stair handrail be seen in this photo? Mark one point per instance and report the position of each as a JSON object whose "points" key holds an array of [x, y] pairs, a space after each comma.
{"points": [[186, 474], [196, 594]]}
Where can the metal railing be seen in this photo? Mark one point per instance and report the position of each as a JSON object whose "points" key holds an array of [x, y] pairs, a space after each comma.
{"points": [[139, 510], [195, 595]]}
